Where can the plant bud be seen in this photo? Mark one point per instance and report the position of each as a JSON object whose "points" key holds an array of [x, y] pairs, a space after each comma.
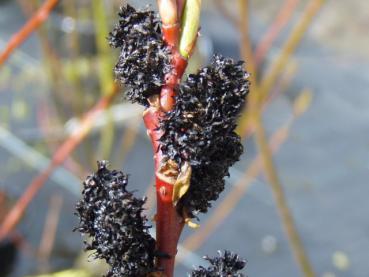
{"points": [[190, 27], [144, 59], [168, 11]]}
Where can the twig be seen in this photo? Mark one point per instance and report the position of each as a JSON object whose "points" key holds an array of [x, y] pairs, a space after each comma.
{"points": [[17, 39], [169, 223], [62, 153], [247, 55], [49, 232], [281, 86], [246, 47], [280, 199], [293, 40], [261, 90], [253, 117], [283, 17]]}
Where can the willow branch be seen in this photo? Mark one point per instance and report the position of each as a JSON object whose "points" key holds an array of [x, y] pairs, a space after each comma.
{"points": [[33, 23], [281, 201], [293, 40], [283, 17]]}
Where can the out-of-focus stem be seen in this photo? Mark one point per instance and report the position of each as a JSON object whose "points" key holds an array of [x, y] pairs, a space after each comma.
{"points": [[253, 116], [281, 20], [18, 38], [105, 73], [247, 55], [49, 231], [289, 47], [105, 61], [281, 201]]}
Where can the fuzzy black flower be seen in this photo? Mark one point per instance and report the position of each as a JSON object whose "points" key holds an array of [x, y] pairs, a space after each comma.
{"points": [[112, 217], [227, 264], [144, 58], [200, 129]]}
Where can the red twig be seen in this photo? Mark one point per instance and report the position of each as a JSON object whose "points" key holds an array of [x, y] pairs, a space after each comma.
{"points": [[50, 229], [169, 223], [281, 20], [33, 23], [61, 154]]}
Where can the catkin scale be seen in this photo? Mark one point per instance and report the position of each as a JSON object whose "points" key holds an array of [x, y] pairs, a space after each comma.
{"points": [[144, 58], [201, 129], [112, 217], [227, 264]]}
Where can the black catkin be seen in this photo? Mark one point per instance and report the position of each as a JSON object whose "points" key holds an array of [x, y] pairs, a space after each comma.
{"points": [[112, 218], [201, 129], [144, 58], [227, 264]]}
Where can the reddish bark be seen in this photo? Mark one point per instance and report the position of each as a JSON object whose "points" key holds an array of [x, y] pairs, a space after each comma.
{"points": [[171, 34], [33, 23], [169, 223]]}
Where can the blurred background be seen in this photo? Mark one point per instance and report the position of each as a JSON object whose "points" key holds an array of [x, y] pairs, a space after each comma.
{"points": [[61, 111]]}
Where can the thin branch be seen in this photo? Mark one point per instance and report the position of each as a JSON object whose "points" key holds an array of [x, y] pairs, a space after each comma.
{"points": [[49, 232], [298, 32], [253, 118], [261, 90], [281, 201], [248, 56], [17, 39], [246, 47], [280, 87], [283, 17], [169, 223]]}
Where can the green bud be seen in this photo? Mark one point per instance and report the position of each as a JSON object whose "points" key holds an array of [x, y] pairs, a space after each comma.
{"points": [[190, 26]]}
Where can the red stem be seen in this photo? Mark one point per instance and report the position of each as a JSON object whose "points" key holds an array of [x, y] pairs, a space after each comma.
{"points": [[18, 38], [169, 223], [171, 34]]}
